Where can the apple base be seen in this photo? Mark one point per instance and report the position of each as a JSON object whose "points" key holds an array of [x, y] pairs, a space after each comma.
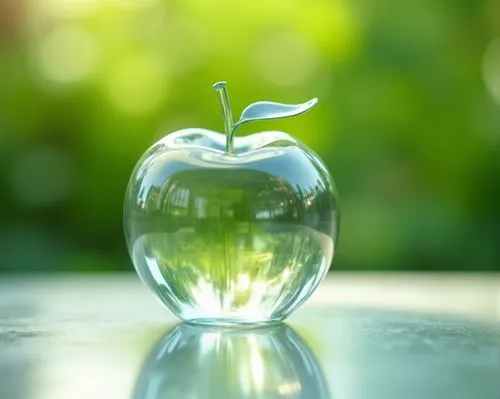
{"points": [[233, 322]]}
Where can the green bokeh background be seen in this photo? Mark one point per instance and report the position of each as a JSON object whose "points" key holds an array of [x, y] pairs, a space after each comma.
{"points": [[408, 120]]}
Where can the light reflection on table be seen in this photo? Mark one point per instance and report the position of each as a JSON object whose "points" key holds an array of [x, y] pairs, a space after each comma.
{"points": [[206, 362], [360, 337]]}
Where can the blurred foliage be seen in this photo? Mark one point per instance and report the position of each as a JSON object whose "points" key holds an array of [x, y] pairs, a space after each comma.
{"points": [[408, 120]]}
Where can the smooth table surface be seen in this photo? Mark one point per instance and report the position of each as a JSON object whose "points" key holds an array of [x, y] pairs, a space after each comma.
{"points": [[360, 336]]}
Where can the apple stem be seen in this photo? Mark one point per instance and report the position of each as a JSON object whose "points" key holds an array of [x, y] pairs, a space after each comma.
{"points": [[220, 88]]}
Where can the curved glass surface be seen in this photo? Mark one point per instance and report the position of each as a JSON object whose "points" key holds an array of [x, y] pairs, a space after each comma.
{"points": [[221, 238]]}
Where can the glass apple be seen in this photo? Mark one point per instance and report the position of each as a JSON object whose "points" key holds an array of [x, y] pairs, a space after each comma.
{"points": [[232, 230]]}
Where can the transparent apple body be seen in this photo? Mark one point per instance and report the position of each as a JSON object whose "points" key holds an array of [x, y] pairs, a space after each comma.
{"points": [[241, 238]]}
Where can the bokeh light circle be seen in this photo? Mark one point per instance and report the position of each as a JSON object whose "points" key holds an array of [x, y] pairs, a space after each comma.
{"points": [[286, 59], [491, 69], [136, 84], [67, 55], [42, 176]]}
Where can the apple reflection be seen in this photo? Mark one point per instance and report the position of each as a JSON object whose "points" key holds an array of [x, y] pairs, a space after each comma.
{"points": [[207, 362]]}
